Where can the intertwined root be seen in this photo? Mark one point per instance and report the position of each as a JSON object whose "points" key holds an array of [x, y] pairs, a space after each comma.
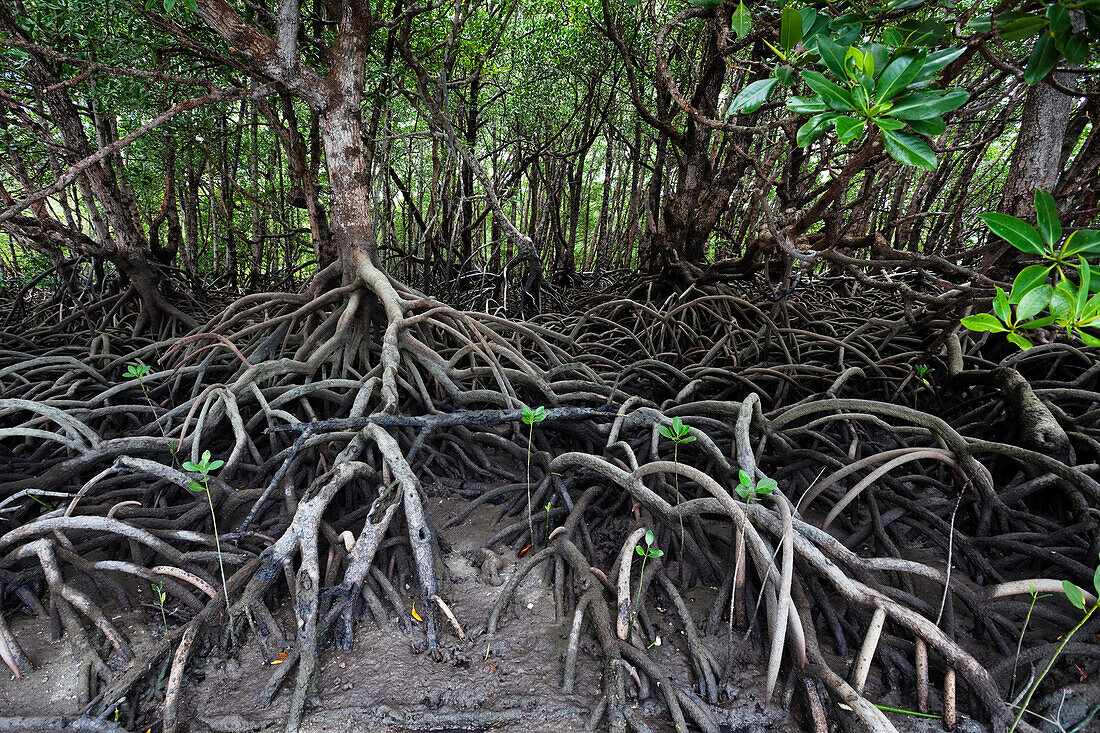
{"points": [[330, 409]]}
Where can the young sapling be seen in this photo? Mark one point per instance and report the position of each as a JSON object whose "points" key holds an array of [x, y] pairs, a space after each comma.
{"points": [[159, 597], [531, 418], [548, 506], [204, 468], [678, 433], [748, 492], [649, 551]]}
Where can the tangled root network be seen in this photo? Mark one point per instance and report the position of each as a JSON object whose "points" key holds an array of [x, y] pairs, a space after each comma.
{"points": [[916, 509]]}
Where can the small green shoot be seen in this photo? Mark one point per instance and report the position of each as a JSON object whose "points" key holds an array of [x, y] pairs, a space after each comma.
{"points": [[531, 418], [649, 551], [1035, 596], [203, 468], [548, 507], [137, 371], [748, 492], [678, 433], [159, 597], [922, 371], [1077, 598], [48, 507]]}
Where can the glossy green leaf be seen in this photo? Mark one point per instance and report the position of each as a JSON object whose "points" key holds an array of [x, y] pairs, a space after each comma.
{"points": [[1027, 280], [909, 149], [832, 55], [983, 322], [1063, 304], [1060, 22], [835, 96], [215, 465], [1017, 29], [1001, 307], [649, 537], [766, 486], [932, 127], [741, 20], [807, 105], [1043, 58], [813, 129], [665, 432], [742, 491], [195, 486], [785, 75], [1089, 339], [743, 477], [1019, 340], [752, 97], [899, 74], [1034, 301], [1016, 232], [1084, 275], [848, 129], [1074, 594], [934, 63], [1076, 48], [1082, 242], [790, 29], [189, 466], [888, 123], [1096, 580], [925, 105], [1047, 214]]}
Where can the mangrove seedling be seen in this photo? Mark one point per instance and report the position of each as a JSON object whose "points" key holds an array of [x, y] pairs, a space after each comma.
{"points": [[139, 371], [1020, 642], [748, 492], [203, 468], [531, 418], [1075, 596], [548, 506], [647, 552], [678, 433], [158, 598]]}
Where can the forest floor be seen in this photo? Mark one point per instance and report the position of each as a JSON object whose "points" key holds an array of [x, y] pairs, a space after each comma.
{"points": [[904, 458]]}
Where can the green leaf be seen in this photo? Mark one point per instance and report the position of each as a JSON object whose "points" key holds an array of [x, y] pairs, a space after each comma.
{"points": [[656, 553], [1017, 29], [909, 149], [766, 486], [1084, 275], [898, 75], [1076, 48], [205, 457], [1074, 594], [1046, 212], [1063, 303], [813, 129], [677, 425], [638, 549], [807, 105], [752, 97], [665, 432], [848, 129], [688, 439], [1016, 232], [1089, 339], [649, 537], [834, 96], [540, 414], [1019, 340], [741, 20], [215, 465], [832, 55], [932, 127], [189, 466], [1060, 22], [1034, 301], [196, 486], [785, 75], [790, 29], [743, 477], [983, 322], [1027, 280], [888, 123], [926, 105], [935, 62], [1001, 307], [1037, 323], [1043, 58], [1096, 580], [742, 491], [1083, 241]]}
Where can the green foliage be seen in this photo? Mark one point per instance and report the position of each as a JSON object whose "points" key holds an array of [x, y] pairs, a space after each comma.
{"points": [[647, 552], [678, 433], [1077, 598], [532, 417], [747, 491], [204, 467], [136, 371], [1071, 305], [1057, 41], [159, 597]]}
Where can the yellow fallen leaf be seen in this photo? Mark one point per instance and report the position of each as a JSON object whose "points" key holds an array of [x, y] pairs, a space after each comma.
{"points": [[416, 615]]}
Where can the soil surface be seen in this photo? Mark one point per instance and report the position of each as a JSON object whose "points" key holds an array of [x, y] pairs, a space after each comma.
{"points": [[510, 682]]}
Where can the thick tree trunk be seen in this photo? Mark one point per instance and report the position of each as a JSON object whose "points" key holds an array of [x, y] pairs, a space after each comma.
{"points": [[1036, 160]]}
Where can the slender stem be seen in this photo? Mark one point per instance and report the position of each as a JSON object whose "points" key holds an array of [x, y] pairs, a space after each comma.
{"points": [[530, 522], [1034, 687], [676, 479], [1020, 643], [163, 616], [218, 545]]}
